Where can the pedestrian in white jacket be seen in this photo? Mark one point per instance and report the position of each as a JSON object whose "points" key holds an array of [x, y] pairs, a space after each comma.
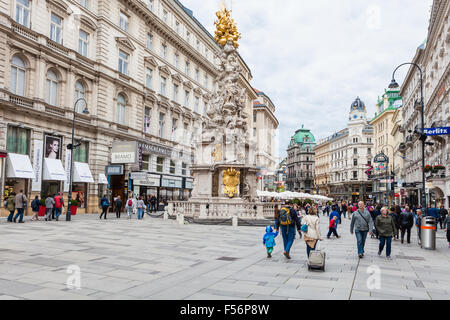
{"points": [[313, 234], [129, 206]]}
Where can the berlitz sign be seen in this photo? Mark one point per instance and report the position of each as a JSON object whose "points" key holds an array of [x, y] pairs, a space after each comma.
{"points": [[437, 131]]}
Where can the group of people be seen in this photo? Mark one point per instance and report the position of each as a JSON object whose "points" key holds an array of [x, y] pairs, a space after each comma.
{"points": [[54, 205], [377, 221], [142, 205]]}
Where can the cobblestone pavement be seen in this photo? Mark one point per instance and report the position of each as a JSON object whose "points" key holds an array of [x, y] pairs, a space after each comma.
{"points": [[157, 259]]}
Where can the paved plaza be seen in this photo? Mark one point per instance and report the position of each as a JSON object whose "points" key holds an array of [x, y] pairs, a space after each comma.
{"points": [[157, 259]]}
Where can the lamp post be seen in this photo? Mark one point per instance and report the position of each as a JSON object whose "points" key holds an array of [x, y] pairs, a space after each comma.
{"points": [[421, 133], [72, 148]]}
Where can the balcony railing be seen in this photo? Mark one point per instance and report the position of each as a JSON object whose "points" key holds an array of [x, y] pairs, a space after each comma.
{"points": [[24, 31]]}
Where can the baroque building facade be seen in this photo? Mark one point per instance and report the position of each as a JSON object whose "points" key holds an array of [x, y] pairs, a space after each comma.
{"points": [[300, 162], [322, 158], [350, 154], [265, 126], [433, 57], [146, 70]]}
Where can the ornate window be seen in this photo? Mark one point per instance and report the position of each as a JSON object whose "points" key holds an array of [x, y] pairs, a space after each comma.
{"points": [[120, 109], [52, 83], [84, 3], [123, 21], [23, 12], [149, 41], [172, 167], [18, 73], [80, 92], [148, 78], [175, 93], [161, 124], [123, 62], [163, 86], [56, 28], [83, 41], [147, 118]]}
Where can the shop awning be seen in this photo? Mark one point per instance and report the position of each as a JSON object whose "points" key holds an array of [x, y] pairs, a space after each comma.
{"points": [[82, 173], [102, 179], [19, 166], [53, 170]]}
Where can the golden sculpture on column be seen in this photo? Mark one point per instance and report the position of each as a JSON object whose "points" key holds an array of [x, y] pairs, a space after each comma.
{"points": [[226, 29], [231, 181]]}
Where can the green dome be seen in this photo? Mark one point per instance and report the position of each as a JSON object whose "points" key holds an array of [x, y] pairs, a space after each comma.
{"points": [[303, 135]]}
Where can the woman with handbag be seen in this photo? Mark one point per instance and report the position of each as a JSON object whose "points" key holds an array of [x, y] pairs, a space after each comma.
{"points": [[311, 228]]}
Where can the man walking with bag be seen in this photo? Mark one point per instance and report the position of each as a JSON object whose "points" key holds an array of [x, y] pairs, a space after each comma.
{"points": [[20, 204], [362, 224], [406, 222]]}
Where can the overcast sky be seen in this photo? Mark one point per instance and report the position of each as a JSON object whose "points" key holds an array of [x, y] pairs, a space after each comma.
{"points": [[313, 58]]}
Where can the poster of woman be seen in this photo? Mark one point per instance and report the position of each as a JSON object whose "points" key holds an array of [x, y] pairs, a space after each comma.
{"points": [[52, 147]]}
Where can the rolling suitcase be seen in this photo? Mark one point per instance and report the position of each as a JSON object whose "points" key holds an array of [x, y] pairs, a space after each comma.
{"points": [[316, 259]]}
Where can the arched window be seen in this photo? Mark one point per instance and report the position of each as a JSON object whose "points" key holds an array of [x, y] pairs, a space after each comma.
{"points": [[51, 96], [120, 110], [18, 72], [79, 93]]}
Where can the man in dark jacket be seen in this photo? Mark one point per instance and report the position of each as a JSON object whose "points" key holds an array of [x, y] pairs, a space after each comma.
{"points": [[153, 201], [118, 204], [406, 222], [443, 214], [395, 216], [287, 222], [419, 224]]}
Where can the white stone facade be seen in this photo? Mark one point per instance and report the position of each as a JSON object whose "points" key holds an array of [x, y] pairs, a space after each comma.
{"points": [[146, 69]]}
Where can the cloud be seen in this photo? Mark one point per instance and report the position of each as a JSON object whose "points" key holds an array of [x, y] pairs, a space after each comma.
{"points": [[313, 58]]}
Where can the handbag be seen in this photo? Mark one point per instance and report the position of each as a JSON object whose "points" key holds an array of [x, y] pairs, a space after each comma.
{"points": [[304, 228]]}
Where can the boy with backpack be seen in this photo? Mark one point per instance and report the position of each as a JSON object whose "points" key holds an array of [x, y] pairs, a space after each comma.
{"points": [[269, 240]]}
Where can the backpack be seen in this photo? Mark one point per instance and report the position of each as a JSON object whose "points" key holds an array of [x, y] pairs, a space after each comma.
{"points": [[105, 203], [285, 217], [130, 202]]}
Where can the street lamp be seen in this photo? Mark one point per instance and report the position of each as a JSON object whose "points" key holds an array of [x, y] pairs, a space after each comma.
{"points": [[72, 148], [422, 134]]}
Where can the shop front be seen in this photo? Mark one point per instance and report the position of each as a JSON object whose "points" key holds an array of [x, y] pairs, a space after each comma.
{"points": [[53, 176], [18, 173], [171, 188], [145, 184], [81, 177]]}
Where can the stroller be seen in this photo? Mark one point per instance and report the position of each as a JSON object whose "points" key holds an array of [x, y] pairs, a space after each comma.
{"points": [[374, 232]]}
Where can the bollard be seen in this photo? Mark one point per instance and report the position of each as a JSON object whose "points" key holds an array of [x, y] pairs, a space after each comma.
{"points": [[234, 221]]}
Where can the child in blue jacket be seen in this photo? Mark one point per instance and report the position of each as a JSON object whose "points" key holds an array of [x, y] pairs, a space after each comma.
{"points": [[269, 240]]}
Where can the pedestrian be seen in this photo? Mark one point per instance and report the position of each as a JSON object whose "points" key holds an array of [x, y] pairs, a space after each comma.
{"points": [[344, 209], [447, 229], [406, 222], [129, 206], [35, 205], [335, 213], [11, 206], [118, 204], [287, 220], [49, 203], [153, 201], [386, 227], [374, 214], [105, 205], [312, 234], [349, 212], [332, 228], [20, 203], [140, 208], [395, 216], [419, 225], [59, 204], [269, 240], [362, 224], [433, 212], [443, 215]]}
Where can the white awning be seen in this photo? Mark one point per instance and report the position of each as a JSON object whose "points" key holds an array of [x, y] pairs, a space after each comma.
{"points": [[102, 179], [82, 173], [53, 170], [19, 166]]}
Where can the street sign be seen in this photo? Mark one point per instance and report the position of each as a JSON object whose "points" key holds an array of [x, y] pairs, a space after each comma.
{"points": [[381, 158], [437, 131]]}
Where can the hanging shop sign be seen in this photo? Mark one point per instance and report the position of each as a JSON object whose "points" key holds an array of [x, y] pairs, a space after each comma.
{"points": [[124, 152], [381, 158], [37, 165], [114, 170]]}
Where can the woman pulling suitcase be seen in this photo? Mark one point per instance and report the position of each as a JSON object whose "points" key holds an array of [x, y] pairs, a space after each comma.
{"points": [[311, 227]]}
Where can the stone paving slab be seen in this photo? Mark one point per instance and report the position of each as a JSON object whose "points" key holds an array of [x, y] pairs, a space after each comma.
{"points": [[157, 259]]}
